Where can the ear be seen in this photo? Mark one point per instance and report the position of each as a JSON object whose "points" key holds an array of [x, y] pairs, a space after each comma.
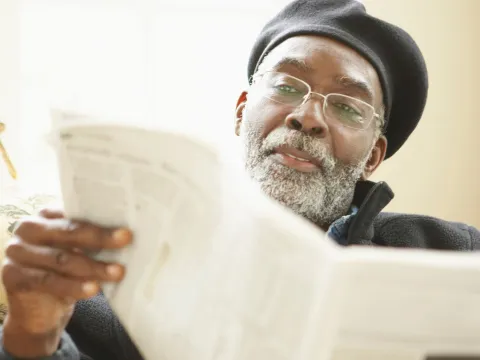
{"points": [[376, 157], [241, 102]]}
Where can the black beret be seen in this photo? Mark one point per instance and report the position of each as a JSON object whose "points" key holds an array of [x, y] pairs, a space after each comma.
{"points": [[392, 52]]}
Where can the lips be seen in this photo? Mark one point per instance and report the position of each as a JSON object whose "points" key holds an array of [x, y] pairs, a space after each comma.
{"points": [[296, 159]]}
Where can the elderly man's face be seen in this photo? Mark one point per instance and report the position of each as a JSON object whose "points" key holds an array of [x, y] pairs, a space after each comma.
{"points": [[300, 157]]}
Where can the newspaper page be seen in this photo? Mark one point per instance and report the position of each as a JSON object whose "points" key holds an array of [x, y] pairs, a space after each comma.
{"points": [[219, 271], [214, 264], [406, 304]]}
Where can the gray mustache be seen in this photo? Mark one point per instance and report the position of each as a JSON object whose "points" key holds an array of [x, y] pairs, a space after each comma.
{"points": [[311, 145]]}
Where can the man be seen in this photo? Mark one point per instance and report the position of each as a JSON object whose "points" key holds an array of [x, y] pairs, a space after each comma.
{"points": [[333, 93]]}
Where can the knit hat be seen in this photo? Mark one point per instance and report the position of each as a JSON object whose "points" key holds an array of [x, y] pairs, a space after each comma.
{"points": [[391, 51]]}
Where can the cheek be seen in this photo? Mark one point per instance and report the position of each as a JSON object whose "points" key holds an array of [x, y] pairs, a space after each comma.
{"points": [[262, 116], [350, 146]]}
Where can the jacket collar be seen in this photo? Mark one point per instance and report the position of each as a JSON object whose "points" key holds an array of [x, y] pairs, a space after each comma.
{"points": [[370, 198]]}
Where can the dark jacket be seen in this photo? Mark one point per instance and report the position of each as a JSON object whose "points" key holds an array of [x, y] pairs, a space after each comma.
{"points": [[98, 334]]}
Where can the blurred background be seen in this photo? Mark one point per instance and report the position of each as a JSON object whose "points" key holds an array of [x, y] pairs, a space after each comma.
{"points": [[143, 60]]}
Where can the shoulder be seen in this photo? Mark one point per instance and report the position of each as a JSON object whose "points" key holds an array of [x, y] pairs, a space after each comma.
{"points": [[410, 230]]}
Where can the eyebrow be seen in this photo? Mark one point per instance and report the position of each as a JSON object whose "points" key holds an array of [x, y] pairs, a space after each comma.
{"points": [[293, 61], [355, 85]]}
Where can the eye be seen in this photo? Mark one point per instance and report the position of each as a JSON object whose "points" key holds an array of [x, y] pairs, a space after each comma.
{"points": [[347, 108], [286, 89], [347, 113]]}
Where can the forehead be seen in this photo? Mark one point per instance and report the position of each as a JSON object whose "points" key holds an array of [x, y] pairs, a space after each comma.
{"points": [[324, 60]]}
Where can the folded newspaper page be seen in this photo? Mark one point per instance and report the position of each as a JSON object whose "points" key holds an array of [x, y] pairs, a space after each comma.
{"points": [[219, 271]]}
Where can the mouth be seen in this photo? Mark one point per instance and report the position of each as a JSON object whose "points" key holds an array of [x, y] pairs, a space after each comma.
{"points": [[296, 159]]}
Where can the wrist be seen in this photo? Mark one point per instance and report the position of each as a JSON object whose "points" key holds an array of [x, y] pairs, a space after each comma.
{"points": [[23, 344]]}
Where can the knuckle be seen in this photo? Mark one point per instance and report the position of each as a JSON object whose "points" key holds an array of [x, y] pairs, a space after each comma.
{"points": [[91, 233], [61, 257], [34, 278], [9, 273], [13, 252], [43, 278], [13, 247], [76, 265], [19, 279], [24, 284], [14, 279]]}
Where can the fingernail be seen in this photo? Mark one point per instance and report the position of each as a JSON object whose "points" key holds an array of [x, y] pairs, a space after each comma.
{"points": [[122, 236], [90, 288], [114, 271]]}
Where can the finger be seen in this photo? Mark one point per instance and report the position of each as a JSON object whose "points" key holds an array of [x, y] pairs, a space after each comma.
{"points": [[18, 279], [63, 262], [63, 233], [51, 213]]}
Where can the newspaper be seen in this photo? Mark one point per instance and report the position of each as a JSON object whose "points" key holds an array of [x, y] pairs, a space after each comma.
{"points": [[219, 271]]}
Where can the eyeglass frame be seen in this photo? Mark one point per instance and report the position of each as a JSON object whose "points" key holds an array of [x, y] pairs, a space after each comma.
{"points": [[309, 94]]}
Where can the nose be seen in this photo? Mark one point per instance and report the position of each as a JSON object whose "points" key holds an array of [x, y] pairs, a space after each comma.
{"points": [[308, 118]]}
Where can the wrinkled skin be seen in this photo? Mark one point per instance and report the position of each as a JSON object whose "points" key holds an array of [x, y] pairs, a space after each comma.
{"points": [[344, 155]]}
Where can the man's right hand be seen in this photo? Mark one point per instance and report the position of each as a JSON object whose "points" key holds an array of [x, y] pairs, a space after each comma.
{"points": [[46, 271]]}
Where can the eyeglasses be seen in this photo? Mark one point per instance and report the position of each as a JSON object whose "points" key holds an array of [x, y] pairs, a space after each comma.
{"points": [[289, 90]]}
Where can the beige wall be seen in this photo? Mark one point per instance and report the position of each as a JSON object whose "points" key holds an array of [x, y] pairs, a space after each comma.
{"points": [[437, 172], [9, 84]]}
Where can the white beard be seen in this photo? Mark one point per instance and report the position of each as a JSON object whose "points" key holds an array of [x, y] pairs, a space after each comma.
{"points": [[322, 196]]}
